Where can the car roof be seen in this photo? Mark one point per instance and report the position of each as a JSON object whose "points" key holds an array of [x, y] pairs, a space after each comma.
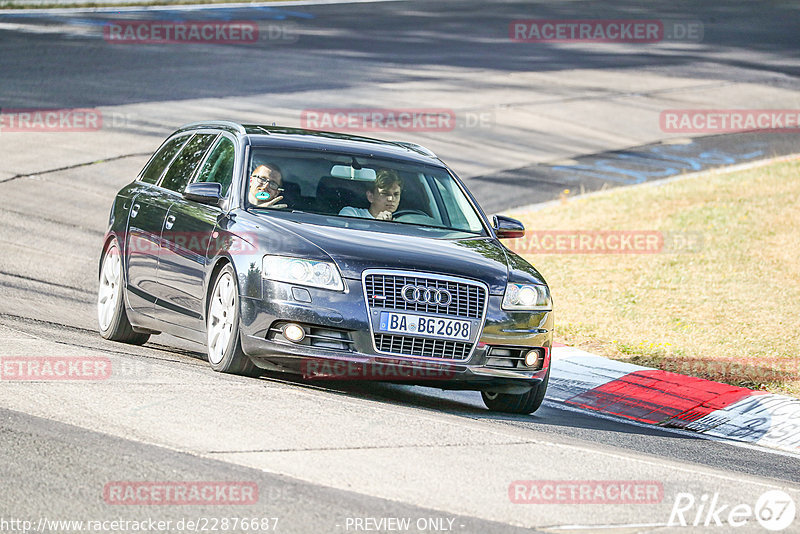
{"points": [[284, 137]]}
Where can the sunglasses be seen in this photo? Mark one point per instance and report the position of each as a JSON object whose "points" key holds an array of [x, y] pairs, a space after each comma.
{"points": [[271, 184]]}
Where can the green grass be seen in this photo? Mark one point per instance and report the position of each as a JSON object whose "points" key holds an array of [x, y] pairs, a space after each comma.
{"points": [[729, 311]]}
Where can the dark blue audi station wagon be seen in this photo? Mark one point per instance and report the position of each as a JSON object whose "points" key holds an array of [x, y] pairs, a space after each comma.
{"points": [[325, 255]]}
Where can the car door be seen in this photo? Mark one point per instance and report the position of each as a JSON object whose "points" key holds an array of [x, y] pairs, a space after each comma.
{"points": [[147, 211], [187, 230]]}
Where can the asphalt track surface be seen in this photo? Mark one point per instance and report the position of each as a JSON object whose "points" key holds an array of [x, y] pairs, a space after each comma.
{"points": [[323, 453]]}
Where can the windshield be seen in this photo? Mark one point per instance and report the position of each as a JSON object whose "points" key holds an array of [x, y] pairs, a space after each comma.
{"points": [[354, 187]]}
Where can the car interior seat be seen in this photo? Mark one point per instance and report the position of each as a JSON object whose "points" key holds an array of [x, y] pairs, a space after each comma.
{"points": [[333, 194]]}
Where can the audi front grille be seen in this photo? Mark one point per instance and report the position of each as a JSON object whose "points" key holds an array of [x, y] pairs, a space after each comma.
{"points": [[422, 347], [468, 298], [464, 299]]}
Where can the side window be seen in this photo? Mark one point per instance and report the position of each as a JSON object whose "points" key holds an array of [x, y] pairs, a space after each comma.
{"points": [[457, 206], [186, 162], [219, 165], [153, 171]]}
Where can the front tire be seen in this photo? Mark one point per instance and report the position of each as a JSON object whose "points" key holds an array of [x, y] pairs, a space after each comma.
{"points": [[111, 315], [222, 327], [525, 403]]}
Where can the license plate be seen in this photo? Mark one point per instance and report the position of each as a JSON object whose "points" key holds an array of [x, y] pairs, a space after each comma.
{"points": [[438, 327]]}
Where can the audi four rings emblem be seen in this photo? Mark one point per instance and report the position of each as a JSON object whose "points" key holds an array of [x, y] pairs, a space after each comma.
{"points": [[426, 295]]}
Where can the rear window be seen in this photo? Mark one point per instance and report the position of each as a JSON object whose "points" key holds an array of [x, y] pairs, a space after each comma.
{"points": [[186, 162], [159, 162], [219, 165]]}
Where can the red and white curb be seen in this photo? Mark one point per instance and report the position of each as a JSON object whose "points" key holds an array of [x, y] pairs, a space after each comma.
{"points": [[584, 380]]}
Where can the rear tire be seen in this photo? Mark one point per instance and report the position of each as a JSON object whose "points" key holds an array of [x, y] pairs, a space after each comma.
{"points": [[525, 403], [222, 327], [111, 315]]}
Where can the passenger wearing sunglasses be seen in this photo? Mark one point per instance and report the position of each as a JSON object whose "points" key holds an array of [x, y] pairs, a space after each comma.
{"points": [[266, 187]]}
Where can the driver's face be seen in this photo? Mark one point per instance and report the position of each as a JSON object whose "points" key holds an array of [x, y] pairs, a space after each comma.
{"points": [[264, 180], [385, 199]]}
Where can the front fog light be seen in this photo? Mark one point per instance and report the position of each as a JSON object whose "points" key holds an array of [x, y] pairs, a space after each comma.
{"points": [[532, 358], [294, 332]]}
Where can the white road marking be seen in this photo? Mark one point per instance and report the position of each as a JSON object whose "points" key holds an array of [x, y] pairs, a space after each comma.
{"points": [[679, 431]]}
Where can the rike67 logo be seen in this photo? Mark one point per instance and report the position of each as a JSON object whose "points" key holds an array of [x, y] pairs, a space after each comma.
{"points": [[774, 510]]}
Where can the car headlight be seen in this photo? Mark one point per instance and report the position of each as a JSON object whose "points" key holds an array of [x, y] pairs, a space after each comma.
{"points": [[302, 272], [527, 297]]}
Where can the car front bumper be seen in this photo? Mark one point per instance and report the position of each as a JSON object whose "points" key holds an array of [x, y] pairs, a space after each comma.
{"points": [[345, 314]]}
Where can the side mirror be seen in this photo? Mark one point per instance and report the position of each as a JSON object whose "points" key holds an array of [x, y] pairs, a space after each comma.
{"points": [[204, 192], [507, 228]]}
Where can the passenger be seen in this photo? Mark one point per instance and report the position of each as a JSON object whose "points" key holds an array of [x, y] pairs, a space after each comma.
{"points": [[265, 187], [383, 197]]}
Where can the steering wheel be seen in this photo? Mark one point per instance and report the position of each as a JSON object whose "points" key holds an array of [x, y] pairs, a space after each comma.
{"points": [[409, 212]]}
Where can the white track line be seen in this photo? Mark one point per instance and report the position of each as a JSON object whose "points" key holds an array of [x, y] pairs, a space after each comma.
{"points": [[559, 405]]}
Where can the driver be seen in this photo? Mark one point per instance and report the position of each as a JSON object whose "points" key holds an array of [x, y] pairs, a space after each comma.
{"points": [[383, 197], [266, 184]]}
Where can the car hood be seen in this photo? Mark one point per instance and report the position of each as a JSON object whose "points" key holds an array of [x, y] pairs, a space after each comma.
{"points": [[354, 250]]}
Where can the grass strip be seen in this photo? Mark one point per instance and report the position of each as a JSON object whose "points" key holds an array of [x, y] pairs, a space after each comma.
{"points": [[719, 300]]}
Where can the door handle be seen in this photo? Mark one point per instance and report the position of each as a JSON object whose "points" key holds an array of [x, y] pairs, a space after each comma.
{"points": [[170, 222], [134, 211]]}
